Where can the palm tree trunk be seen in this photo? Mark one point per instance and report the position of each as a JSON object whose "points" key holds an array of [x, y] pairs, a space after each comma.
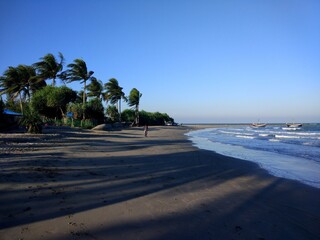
{"points": [[84, 102], [137, 115], [20, 100], [84, 92], [120, 110]]}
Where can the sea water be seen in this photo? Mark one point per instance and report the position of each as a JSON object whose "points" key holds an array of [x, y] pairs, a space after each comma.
{"points": [[292, 153]]}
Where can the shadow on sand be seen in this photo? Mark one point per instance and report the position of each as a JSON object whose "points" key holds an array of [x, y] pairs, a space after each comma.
{"points": [[54, 185]]}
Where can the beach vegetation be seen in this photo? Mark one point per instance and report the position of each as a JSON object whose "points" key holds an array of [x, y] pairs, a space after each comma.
{"points": [[112, 113], [31, 120], [78, 71], [134, 101], [76, 109], [95, 111], [52, 102], [128, 115], [13, 105], [79, 98], [149, 118], [114, 94], [25, 89], [154, 118], [20, 82], [88, 124], [95, 88], [49, 67]]}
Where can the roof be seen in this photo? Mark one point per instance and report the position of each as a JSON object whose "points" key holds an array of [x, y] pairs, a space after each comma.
{"points": [[9, 112]]}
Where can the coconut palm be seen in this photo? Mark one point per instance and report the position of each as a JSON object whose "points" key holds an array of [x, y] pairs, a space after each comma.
{"points": [[12, 85], [95, 88], [20, 82], [49, 67], [78, 72], [134, 101], [31, 81], [114, 94]]}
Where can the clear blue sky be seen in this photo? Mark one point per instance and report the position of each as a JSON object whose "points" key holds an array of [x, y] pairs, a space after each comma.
{"points": [[197, 60]]}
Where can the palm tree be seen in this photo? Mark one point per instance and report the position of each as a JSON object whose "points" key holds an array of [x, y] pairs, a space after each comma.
{"points": [[20, 82], [12, 85], [114, 94], [95, 88], [78, 72], [49, 67], [134, 101], [31, 81]]}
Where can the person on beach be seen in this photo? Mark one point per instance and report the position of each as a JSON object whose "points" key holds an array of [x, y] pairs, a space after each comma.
{"points": [[146, 130]]}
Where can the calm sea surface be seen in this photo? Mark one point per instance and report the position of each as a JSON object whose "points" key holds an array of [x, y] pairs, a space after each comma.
{"points": [[292, 153]]}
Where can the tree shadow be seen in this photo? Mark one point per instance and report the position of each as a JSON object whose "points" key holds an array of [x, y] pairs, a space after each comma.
{"points": [[56, 185]]}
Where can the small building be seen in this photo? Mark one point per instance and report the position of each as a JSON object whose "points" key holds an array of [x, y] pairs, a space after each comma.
{"points": [[9, 119]]}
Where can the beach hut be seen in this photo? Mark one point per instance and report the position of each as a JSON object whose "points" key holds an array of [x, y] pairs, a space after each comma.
{"points": [[9, 119]]}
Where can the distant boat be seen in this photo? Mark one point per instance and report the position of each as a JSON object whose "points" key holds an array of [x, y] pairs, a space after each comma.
{"points": [[294, 125], [258, 125]]}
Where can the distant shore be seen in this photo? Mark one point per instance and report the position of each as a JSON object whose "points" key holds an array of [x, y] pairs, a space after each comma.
{"points": [[80, 184]]}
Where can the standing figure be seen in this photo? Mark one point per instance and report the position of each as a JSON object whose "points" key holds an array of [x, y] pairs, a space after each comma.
{"points": [[146, 130]]}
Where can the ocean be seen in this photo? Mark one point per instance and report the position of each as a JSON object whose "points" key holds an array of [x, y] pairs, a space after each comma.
{"points": [[292, 153]]}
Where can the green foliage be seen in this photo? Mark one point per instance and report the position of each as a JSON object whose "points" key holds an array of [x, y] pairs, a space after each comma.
{"points": [[31, 120], [155, 118], [150, 118], [14, 105], [78, 72], [20, 82], [49, 67], [26, 84], [52, 101], [94, 110], [128, 115], [76, 109], [114, 94], [88, 124], [79, 98], [134, 101], [112, 113], [95, 88], [134, 98]]}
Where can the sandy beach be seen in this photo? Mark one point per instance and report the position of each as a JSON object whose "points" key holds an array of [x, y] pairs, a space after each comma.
{"points": [[80, 184]]}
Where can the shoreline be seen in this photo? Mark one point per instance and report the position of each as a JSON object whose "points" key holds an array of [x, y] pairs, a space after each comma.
{"points": [[277, 163], [82, 184]]}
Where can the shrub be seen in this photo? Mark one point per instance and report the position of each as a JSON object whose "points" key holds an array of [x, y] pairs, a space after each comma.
{"points": [[32, 121]]}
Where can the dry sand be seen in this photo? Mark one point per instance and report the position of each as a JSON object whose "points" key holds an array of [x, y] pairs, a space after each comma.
{"points": [[76, 184]]}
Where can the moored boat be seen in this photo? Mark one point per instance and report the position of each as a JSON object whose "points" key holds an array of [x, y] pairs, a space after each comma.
{"points": [[258, 125], [294, 125]]}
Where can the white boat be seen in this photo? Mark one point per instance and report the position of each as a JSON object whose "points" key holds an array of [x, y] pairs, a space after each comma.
{"points": [[258, 125], [294, 125]]}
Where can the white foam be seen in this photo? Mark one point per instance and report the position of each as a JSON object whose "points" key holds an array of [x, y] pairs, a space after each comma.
{"points": [[274, 140], [290, 167], [290, 129], [245, 136], [286, 136]]}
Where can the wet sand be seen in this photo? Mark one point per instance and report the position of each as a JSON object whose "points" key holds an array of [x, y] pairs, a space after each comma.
{"points": [[77, 184]]}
